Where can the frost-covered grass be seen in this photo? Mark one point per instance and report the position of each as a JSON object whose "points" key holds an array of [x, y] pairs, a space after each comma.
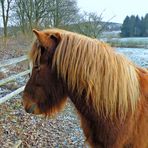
{"points": [[137, 55], [111, 34], [129, 42]]}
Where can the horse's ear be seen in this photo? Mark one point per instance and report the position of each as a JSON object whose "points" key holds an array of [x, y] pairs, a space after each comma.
{"points": [[41, 36], [47, 39], [37, 33], [55, 37]]}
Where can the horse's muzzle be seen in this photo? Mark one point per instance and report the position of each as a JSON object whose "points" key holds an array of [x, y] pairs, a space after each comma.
{"points": [[31, 109]]}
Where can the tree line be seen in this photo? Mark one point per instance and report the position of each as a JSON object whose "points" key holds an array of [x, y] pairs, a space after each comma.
{"points": [[134, 26], [29, 14]]}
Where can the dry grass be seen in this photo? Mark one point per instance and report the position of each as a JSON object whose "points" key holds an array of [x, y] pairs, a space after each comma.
{"points": [[14, 47]]}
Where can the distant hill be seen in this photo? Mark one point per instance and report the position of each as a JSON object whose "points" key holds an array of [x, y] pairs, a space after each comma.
{"points": [[111, 26]]}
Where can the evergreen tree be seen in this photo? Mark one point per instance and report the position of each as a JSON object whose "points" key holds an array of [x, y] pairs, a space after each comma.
{"points": [[142, 26], [125, 27], [138, 27], [145, 33], [132, 26]]}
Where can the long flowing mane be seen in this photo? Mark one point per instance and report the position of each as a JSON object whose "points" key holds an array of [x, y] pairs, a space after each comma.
{"points": [[110, 80]]}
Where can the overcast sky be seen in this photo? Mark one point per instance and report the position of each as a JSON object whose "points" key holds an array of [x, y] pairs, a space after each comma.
{"points": [[117, 8]]}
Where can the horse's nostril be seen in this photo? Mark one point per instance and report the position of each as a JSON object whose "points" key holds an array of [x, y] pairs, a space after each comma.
{"points": [[30, 109]]}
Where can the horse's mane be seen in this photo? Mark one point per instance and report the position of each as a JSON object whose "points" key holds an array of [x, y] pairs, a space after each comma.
{"points": [[110, 80]]}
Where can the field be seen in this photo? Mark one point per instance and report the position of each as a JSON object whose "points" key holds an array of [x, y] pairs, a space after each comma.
{"points": [[113, 38]]}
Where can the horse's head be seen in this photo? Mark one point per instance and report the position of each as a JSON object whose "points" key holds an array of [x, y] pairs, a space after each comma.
{"points": [[44, 92]]}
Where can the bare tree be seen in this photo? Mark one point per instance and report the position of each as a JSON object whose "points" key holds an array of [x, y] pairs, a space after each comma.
{"points": [[30, 13], [90, 24], [53, 13], [20, 14], [63, 12], [57, 13], [5, 7]]}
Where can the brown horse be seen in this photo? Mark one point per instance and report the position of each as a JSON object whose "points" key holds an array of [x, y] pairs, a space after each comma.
{"points": [[109, 92]]}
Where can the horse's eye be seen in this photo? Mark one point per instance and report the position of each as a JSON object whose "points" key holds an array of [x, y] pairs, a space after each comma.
{"points": [[42, 50], [49, 61], [36, 67]]}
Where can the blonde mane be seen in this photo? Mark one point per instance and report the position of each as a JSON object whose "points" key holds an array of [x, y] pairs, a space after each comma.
{"points": [[86, 64], [110, 80]]}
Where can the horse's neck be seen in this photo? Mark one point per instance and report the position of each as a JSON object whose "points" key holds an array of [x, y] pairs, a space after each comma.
{"points": [[93, 124]]}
